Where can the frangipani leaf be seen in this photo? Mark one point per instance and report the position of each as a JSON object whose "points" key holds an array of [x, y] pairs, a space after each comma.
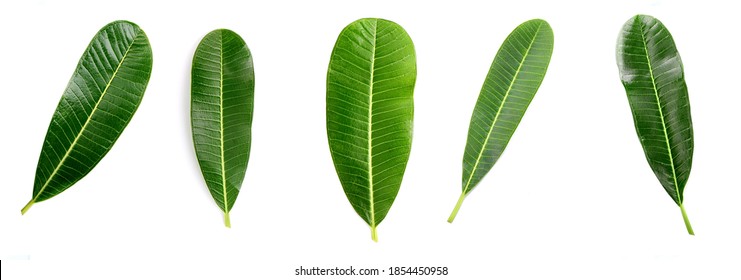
{"points": [[653, 76], [222, 95], [514, 77], [370, 109], [104, 92]]}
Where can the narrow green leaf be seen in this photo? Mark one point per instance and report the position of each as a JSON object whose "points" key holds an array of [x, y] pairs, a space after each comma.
{"points": [[515, 75], [222, 94], [104, 92], [370, 110], [653, 76]]}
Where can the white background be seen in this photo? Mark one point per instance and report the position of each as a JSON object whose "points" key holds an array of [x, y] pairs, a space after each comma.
{"points": [[571, 198]]}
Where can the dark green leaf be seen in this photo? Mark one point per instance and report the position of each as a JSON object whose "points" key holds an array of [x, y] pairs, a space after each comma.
{"points": [[102, 96], [222, 94], [370, 110], [652, 73], [515, 75]]}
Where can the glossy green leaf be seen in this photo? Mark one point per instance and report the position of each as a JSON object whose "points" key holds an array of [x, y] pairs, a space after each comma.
{"points": [[652, 73], [222, 94], [104, 92], [514, 77], [370, 110]]}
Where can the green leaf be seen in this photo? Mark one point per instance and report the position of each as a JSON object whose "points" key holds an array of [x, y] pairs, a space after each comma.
{"points": [[370, 110], [222, 94], [514, 76], [652, 73], [104, 92]]}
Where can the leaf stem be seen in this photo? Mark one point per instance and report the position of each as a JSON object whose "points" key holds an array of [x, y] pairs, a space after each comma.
{"points": [[374, 235], [227, 222], [457, 207], [686, 220], [28, 206]]}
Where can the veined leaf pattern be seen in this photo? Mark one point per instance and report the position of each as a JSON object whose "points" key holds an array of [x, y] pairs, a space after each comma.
{"points": [[222, 98], [104, 92], [370, 111], [514, 77], [652, 73]]}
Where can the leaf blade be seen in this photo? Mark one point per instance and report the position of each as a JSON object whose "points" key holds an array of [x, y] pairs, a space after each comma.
{"points": [[514, 77], [222, 101], [370, 109], [101, 98], [652, 73]]}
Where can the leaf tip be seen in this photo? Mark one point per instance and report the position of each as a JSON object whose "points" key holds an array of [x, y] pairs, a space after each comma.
{"points": [[121, 22]]}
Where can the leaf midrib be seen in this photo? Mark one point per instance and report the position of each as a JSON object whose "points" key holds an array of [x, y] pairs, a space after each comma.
{"points": [[221, 120], [90, 117], [370, 127], [499, 111], [661, 114]]}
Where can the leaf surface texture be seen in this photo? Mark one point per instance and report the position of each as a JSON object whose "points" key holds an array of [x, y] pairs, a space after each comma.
{"points": [[370, 111], [105, 90], [513, 79], [652, 73], [222, 98]]}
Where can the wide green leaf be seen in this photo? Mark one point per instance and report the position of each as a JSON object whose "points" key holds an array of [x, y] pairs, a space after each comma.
{"points": [[514, 77], [370, 110], [653, 76], [104, 92], [222, 94]]}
